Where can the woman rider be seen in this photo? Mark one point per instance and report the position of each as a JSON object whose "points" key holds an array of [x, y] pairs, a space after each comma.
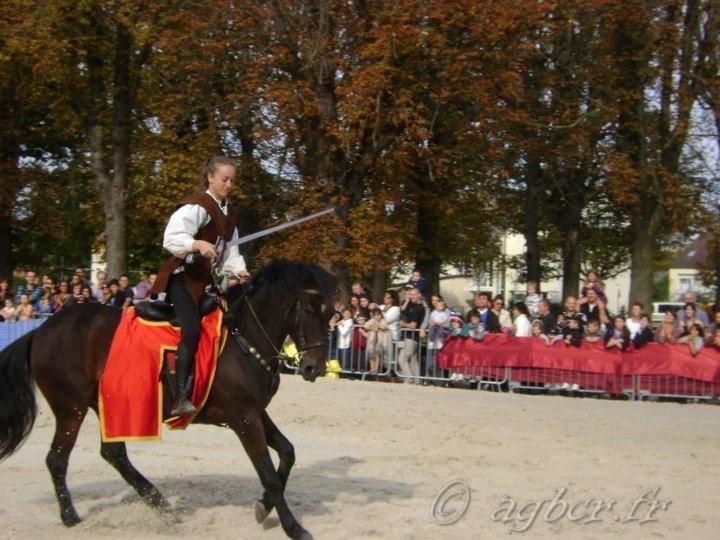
{"points": [[194, 227]]}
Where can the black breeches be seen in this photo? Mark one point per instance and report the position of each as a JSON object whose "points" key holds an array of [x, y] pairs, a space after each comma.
{"points": [[187, 312]]}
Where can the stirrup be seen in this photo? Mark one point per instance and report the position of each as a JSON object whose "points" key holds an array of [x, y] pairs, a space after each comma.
{"points": [[183, 408]]}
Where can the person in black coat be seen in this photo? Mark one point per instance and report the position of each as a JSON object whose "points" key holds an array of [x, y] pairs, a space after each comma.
{"points": [[482, 306], [645, 335]]}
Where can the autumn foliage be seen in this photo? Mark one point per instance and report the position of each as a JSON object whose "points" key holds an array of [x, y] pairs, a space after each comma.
{"points": [[432, 127]]}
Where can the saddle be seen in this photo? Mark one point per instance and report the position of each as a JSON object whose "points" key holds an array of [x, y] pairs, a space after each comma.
{"points": [[157, 311]]}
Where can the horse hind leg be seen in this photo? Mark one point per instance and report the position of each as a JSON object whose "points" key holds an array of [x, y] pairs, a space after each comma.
{"points": [[67, 427], [286, 454], [115, 453]]}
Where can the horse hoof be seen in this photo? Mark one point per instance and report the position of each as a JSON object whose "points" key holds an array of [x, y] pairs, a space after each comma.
{"points": [[170, 517], [261, 511], [157, 501], [70, 519], [303, 535]]}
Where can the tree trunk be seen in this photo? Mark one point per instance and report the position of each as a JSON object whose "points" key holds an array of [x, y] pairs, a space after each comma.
{"points": [[531, 213], [643, 253], [379, 284], [677, 98], [9, 186], [11, 115], [113, 186], [571, 262], [8, 170], [569, 222]]}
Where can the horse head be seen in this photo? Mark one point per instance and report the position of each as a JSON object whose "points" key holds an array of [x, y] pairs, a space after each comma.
{"points": [[292, 299], [309, 325]]}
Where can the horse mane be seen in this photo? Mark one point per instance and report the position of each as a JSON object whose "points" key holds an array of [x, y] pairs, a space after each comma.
{"points": [[289, 276]]}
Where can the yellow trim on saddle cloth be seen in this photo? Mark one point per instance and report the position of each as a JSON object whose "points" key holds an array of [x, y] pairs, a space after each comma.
{"points": [[218, 334]]}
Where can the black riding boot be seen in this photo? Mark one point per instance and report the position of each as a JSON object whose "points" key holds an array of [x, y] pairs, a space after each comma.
{"points": [[183, 364]]}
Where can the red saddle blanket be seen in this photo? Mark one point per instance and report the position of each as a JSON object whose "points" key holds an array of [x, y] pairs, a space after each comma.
{"points": [[131, 392]]}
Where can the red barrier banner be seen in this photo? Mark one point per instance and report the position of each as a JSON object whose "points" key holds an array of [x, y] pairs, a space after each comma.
{"points": [[509, 351]]}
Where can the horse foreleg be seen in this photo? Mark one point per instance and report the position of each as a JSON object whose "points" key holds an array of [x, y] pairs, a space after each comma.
{"points": [[252, 435], [286, 453], [67, 427], [115, 454]]}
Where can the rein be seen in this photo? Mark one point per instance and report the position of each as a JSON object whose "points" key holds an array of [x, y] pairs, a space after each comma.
{"points": [[248, 348]]}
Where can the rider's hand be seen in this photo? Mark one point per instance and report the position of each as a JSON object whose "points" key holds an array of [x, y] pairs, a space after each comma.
{"points": [[206, 249]]}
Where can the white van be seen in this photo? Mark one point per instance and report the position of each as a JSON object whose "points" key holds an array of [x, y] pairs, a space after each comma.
{"points": [[659, 309]]}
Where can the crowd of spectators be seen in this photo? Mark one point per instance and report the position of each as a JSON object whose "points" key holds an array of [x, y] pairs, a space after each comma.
{"points": [[41, 297], [364, 333], [363, 330]]}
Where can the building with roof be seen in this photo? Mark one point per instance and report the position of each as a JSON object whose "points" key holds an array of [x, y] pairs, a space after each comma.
{"points": [[683, 273]]}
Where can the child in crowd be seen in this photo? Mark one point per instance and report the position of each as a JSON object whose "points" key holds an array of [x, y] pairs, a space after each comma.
{"points": [[8, 312], [376, 330], [618, 336], [572, 333], [345, 333], [45, 306], [457, 326], [475, 328], [419, 282], [358, 343], [695, 338], [594, 282], [538, 331], [532, 300], [593, 331], [25, 310], [645, 334], [458, 329], [437, 324]]}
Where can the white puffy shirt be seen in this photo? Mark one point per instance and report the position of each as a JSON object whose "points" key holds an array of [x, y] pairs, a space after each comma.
{"points": [[184, 225]]}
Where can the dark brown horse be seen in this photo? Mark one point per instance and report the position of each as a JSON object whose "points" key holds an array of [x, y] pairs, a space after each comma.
{"points": [[66, 357]]}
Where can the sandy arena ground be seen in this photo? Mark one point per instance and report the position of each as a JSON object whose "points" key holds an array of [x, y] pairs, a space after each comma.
{"points": [[381, 460]]}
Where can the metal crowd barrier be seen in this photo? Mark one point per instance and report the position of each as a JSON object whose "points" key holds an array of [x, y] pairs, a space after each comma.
{"points": [[551, 381], [413, 359], [671, 386], [354, 361], [12, 330]]}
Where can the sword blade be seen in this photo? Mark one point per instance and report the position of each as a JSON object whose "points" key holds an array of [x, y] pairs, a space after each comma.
{"points": [[275, 228]]}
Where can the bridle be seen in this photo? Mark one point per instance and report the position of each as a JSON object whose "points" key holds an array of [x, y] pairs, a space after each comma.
{"points": [[302, 346]]}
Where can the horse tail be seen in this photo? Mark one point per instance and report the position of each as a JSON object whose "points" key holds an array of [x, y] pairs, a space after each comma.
{"points": [[18, 407]]}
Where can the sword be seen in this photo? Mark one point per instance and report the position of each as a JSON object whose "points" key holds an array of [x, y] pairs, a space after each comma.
{"points": [[191, 257], [259, 234]]}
